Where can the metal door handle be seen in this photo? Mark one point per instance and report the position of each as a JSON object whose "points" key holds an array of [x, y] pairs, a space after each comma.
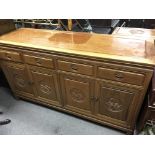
{"points": [[94, 99], [119, 75], [38, 61], [74, 67], [30, 82], [8, 56]]}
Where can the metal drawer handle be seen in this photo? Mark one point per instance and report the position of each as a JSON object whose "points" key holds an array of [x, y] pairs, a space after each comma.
{"points": [[38, 61], [74, 67], [7, 55], [119, 75]]}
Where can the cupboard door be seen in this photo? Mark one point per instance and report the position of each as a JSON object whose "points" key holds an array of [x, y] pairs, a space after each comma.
{"points": [[18, 78], [45, 82], [77, 93], [116, 103]]}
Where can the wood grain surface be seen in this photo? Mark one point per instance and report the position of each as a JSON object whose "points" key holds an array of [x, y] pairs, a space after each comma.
{"points": [[105, 46]]}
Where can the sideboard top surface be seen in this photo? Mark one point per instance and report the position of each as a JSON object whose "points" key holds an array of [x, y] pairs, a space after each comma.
{"points": [[121, 48]]}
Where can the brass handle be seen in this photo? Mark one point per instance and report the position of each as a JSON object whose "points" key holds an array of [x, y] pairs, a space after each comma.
{"points": [[94, 99], [30, 82], [38, 61], [7, 55], [119, 75], [74, 67]]}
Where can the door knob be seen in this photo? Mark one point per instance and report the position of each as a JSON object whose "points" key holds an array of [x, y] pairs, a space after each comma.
{"points": [[94, 99], [30, 82]]}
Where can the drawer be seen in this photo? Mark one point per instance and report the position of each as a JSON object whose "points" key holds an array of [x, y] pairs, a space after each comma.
{"points": [[75, 67], [121, 76], [39, 61], [12, 56]]}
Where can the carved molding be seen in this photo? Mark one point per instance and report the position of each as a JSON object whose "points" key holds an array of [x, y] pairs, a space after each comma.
{"points": [[45, 89], [114, 106], [77, 95], [19, 81]]}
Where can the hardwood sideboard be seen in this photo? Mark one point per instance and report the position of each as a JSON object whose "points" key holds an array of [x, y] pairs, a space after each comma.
{"points": [[102, 78]]}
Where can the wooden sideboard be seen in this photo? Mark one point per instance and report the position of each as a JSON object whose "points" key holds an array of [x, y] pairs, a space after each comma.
{"points": [[102, 78]]}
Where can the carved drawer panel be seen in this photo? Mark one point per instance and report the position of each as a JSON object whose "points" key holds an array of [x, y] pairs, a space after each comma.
{"points": [[45, 83], [39, 61], [77, 93], [8, 55], [121, 76], [116, 103], [18, 77], [75, 67]]}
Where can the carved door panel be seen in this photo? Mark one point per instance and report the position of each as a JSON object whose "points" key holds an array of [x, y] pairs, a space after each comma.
{"points": [[18, 78], [77, 93], [116, 103], [45, 82]]}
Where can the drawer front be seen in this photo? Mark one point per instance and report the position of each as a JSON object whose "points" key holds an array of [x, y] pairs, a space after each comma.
{"points": [[121, 76], [75, 67], [39, 61], [8, 55]]}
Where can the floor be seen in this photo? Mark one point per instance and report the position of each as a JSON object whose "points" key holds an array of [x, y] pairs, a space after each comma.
{"points": [[31, 119]]}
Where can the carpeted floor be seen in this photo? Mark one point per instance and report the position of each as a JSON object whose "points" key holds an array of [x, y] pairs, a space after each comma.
{"points": [[32, 119]]}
